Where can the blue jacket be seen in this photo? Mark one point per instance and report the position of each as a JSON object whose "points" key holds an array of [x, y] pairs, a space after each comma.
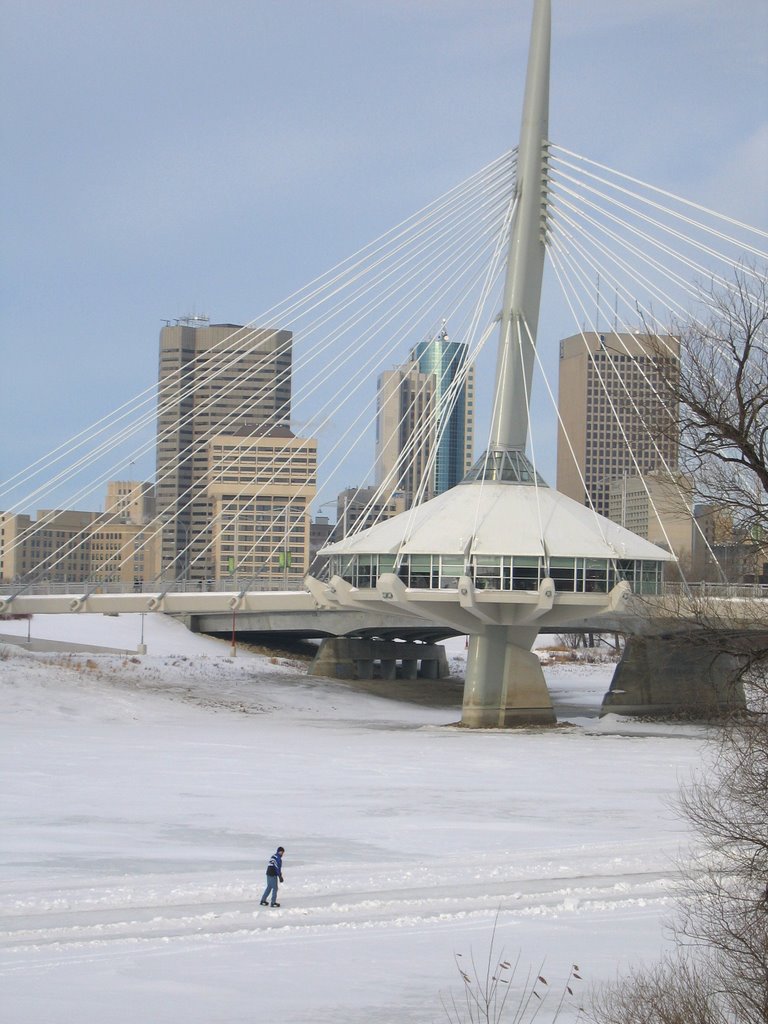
{"points": [[275, 866]]}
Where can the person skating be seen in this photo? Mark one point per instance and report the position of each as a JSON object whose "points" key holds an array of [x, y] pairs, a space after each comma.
{"points": [[274, 872]]}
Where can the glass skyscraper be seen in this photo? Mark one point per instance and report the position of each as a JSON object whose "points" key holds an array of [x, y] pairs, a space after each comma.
{"points": [[425, 420], [445, 359]]}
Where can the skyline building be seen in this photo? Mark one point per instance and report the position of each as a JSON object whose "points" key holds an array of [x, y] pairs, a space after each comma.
{"points": [[119, 545], [357, 508], [425, 420], [260, 489], [659, 507], [445, 359], [613, 418], [405, 430], [131, 501], [213, 379]]}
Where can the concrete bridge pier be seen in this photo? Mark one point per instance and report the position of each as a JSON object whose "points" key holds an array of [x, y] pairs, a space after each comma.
{"points": [[504, 684], [670, 676], [388, 669], [354, 658]]}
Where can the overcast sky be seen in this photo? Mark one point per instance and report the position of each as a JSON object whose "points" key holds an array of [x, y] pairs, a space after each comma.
{"points": [[161, 158]]}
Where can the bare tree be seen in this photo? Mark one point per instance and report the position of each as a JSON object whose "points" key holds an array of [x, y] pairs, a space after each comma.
{"points": [[676, 990], [724, 911], [719, 972], [721, 394]]}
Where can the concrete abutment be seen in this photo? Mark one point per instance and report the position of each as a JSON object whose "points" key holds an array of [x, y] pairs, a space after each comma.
{"points": [[673, 676]]}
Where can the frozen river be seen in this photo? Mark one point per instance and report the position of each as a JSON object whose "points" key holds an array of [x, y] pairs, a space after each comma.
{"points": [[142, 798]]}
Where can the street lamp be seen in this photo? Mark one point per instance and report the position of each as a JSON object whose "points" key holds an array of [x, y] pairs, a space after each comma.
{"points": [[142, 648]]}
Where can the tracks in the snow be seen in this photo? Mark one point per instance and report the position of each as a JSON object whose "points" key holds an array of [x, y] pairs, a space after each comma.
{"points": [[111, 921]]}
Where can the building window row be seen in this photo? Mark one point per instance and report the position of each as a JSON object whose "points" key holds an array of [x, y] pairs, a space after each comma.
{"points": [[502, 572]]}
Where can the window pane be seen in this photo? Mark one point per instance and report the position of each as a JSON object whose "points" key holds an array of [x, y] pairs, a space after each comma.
{"points": [[421, 563]]}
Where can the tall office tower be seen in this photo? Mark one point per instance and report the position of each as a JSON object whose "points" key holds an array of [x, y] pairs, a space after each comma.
{"points": [[614, 418], [425, 420], [446, 360], [213, 379]]}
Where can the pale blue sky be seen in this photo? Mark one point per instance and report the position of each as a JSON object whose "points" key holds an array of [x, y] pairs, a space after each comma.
{"points": [[166, 157]]}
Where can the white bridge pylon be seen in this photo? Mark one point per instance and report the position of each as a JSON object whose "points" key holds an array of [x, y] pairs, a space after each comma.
{"points": [[502, 518]]}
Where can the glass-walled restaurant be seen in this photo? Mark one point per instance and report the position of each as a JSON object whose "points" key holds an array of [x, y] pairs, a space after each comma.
{"points": [[501, 572]]}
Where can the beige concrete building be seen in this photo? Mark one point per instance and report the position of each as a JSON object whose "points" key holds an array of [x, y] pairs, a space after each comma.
{"points": [[68, 546], [357, 508], [405, 430], [713, 531], [53, 546], [614, 421], [658, 507], [131, 501], [724, 554], [259, 490], [125, 553], [214, 379]]}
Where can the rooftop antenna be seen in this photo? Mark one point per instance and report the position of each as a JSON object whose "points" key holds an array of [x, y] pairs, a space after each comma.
{"points": [[597, 303]]}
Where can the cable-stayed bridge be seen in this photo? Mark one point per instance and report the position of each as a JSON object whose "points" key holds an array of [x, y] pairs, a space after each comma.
{"points": [[502, 555]]}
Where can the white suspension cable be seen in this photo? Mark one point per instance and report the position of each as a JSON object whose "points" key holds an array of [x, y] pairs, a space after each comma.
{"points": [[420, 291], [558, 165], [277, 311], [207, 404], [660, 191], [207, 358], [732, 262], [616, 416]]}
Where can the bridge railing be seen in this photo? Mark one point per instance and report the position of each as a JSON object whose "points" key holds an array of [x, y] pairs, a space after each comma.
{"points": [[294, 582], [48, 588]]}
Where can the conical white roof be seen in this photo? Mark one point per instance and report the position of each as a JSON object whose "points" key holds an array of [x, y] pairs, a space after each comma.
{"points": [[489, 518]]}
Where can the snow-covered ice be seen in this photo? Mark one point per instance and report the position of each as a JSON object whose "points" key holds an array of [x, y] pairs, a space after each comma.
{"points": [[143, 796]]}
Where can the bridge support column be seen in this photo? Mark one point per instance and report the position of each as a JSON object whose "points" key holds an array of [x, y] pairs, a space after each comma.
{"points": [[363, 668], [429, 669], [434, 662], [388, 669], [352, 658], [669, 676], [410, 668], [505, 685]]}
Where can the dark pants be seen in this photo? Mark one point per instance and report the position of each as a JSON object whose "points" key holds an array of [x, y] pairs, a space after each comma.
{"points": [[271, 888]]}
